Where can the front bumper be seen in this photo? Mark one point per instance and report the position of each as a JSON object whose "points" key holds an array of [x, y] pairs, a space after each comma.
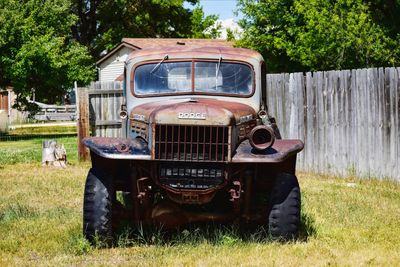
{"points": [[118, 148], [137, 149]]}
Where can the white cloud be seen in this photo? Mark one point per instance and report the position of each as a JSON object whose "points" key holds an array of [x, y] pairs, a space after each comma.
{"points": [[229, 24]]}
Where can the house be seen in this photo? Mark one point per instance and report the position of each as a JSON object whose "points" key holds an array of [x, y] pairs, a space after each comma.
{"points": [[111, 66], [7, 100]]}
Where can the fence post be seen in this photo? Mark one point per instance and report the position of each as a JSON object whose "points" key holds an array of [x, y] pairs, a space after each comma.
{"points": [[83, 122]]}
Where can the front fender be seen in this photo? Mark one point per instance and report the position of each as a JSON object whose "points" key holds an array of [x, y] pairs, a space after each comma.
{"points": [[118, 148], [279, 152]]}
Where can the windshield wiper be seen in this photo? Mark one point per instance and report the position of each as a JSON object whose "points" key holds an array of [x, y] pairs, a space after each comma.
{"points": [[219, 65], [158, 64], [216, 72]]}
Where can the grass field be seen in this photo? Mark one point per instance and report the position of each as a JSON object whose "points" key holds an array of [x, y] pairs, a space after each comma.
{"points": [[348, 222]]}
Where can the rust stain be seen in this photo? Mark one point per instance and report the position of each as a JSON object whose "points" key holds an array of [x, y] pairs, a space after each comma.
{"points": [[194, 51], [217, 112], [144, 43], [279, 152]]}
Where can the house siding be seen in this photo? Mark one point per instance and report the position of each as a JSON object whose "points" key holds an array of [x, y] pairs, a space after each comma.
{"points": [[113, 67]]}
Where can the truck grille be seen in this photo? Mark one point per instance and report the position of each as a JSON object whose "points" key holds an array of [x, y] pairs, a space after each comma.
{"points": [[189, 176], [192, 143]]}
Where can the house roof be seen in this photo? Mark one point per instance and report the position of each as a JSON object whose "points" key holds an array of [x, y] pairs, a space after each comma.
{"points": [[142, 43]]}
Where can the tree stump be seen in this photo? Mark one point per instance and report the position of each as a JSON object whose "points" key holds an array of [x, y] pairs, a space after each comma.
{"points": [[54, 154]]}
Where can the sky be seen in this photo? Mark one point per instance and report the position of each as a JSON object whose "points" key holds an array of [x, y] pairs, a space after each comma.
{"points": [[223, 8]]}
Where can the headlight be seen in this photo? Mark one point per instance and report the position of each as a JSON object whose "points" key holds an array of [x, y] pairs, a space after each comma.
{"points": [[261, 137]]}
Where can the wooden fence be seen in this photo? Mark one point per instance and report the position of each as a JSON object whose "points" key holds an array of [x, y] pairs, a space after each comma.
{"points": [[105, 99], [349, 120], [55, 112], [99, 107]]}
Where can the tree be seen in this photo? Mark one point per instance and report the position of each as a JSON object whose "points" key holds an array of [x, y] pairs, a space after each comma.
{"points": [[37, 51], [300, 35], [46, 45], [102, 24], [204, 26]]}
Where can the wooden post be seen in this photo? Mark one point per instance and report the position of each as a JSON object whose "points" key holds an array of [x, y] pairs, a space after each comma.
{"points": [[83, 122]]}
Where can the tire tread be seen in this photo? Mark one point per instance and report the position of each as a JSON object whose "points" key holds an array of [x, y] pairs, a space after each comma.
{"points": [[285, 205], [97, 207]]}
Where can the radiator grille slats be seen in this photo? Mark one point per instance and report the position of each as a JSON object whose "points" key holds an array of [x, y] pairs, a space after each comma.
{"points": [[191, 143], [187, 176]]}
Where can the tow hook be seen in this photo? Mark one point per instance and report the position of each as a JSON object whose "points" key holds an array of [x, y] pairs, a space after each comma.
{"points": [[236, 191]]}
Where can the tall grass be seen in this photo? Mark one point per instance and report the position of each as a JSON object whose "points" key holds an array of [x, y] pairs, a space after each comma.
{"points": [[42, 129], [24, 145], [41, 224], [345, 222], [29, 151]]}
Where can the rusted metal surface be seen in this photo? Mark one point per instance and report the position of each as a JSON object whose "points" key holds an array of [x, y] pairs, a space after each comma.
{"points": [[192, 143], [196, 52], [189, 158], [261, 137], [279, 152], [143, 43], [170, 215], [118, 148], [216, 112], [191, 183], [146, 43], [248, 192]]}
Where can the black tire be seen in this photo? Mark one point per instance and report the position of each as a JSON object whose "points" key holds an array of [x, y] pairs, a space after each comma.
{"points": [[285, 207], [97, 208]]}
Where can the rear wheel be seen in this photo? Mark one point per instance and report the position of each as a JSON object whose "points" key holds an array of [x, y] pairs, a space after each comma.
{"points": [[285, 205], [97, 208]]}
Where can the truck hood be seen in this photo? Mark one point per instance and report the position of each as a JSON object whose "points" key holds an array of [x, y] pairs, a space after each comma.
{"points": [[193, 111]]}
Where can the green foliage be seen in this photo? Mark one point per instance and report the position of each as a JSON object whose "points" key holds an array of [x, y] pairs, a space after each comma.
{"points": [[204, 26], [78, 245], [47, 45], [299, 35], [37, 51], [230, 35], [102, 24]]}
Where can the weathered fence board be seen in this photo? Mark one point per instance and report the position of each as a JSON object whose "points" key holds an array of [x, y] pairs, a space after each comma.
{"points": [[105, 99], [349, 120], [83, 122]]}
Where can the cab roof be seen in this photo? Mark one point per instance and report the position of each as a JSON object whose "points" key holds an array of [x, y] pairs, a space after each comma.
{"points": [[189, 52]]}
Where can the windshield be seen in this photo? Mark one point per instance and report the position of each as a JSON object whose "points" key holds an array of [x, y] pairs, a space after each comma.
{"points": [[208, 77]]}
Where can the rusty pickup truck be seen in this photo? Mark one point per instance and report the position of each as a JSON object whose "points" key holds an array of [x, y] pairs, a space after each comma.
{"points": [[198, 145]]}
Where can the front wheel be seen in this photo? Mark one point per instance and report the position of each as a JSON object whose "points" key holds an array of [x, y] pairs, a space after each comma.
{"points": [[285, 205], [97, 208]]}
